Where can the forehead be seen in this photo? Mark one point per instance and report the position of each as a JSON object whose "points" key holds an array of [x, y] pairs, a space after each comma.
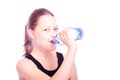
{"points": [[46, 20]]}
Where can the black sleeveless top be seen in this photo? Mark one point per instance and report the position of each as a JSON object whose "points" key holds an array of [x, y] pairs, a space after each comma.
{"points": [[40, 67]]}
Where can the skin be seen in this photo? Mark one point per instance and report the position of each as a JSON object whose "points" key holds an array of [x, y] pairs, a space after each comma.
{"points": [[44, 51]]}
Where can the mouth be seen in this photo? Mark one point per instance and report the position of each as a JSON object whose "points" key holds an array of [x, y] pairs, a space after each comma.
{"points": [[51, 41]]}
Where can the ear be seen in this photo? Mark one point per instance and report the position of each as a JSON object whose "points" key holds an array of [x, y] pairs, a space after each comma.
{"points": [[31, 33]]}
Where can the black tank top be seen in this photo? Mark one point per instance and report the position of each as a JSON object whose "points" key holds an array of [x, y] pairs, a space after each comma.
{"points": [[40, 67]]}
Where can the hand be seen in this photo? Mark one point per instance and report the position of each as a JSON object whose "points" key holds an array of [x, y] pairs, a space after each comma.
{"points": [[66, 38]]}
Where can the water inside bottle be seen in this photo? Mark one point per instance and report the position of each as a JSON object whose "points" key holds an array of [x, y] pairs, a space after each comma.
{"points": [[76, 33]]}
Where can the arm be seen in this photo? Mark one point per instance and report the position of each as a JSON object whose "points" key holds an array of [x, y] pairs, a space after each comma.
{"points": [[65, 70], [73, 75], [67, 66]]}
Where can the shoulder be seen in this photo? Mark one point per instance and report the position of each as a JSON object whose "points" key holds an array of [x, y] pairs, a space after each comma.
{"points": [[24, 65], [60, 58], [59, 54], [28, 70], [22, 61]]}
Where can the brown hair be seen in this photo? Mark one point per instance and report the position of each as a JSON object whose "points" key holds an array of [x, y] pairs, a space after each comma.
{"points": [[31, 24]]}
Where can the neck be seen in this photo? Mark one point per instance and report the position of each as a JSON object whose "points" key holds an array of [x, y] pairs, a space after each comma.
{"points": [[42, 53]]}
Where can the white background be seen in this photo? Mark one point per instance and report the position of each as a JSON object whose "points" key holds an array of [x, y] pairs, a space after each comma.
{"points": [[98, 55]]}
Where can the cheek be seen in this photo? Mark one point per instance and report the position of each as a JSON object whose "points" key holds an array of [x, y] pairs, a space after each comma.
{"points": [[42, 37]]}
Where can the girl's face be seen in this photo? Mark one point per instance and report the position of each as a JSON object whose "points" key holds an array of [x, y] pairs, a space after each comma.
{"points": [[44, 32]]}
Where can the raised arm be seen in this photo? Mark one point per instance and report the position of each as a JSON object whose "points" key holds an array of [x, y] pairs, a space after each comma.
{"points": [[65, 71]]}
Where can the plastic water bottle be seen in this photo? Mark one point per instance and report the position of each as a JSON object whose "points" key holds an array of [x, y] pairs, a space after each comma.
{"points": [[76, 34]]}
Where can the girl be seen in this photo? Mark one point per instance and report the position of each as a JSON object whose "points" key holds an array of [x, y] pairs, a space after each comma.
{"points": [[41, 61]]}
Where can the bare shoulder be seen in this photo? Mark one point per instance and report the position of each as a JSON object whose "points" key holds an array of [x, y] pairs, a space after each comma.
{"points": [[29, 71], [24, 65]]}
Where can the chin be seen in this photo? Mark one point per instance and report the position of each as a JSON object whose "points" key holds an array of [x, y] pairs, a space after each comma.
{"points": [[53, 48]]}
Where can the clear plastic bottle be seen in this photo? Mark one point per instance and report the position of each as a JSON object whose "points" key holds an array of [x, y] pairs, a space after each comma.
{"points": [[76, 33]]}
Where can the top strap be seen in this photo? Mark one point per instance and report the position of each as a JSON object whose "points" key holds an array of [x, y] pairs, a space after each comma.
{"points": [[40, 67]]}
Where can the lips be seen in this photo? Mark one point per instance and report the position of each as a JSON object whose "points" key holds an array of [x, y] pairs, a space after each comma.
{"points": [[51, 41]]}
